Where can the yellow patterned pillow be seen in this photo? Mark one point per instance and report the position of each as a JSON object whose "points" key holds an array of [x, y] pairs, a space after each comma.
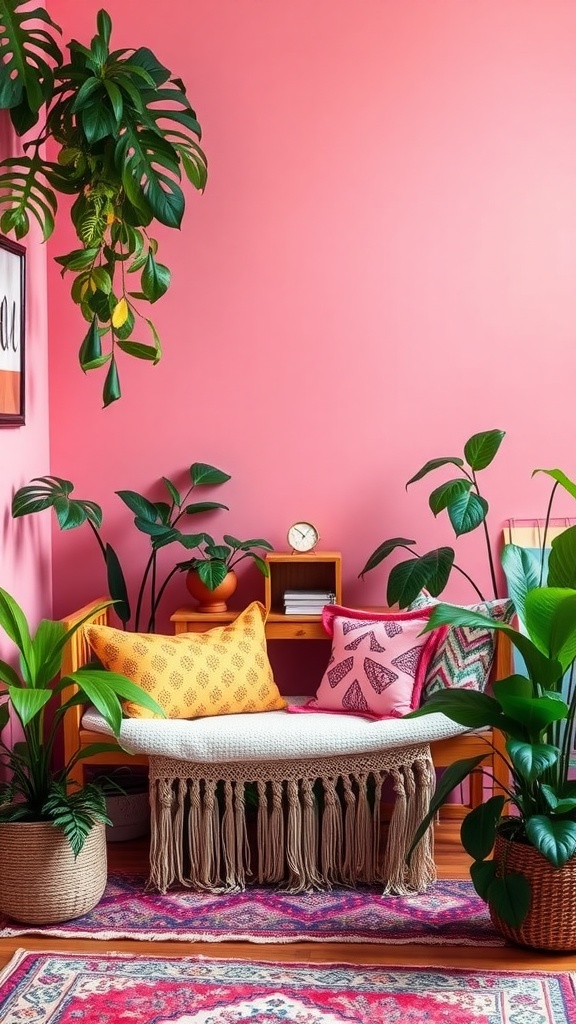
{"points": [[224, 671]]}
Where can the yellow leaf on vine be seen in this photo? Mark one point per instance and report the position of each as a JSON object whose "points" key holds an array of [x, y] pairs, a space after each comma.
{"points": [[120, 314]]}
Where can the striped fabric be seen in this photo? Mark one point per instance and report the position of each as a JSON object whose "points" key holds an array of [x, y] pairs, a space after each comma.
{"points": [[464, 657]]}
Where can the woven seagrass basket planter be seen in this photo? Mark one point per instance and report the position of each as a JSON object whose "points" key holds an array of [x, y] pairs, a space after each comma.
{"points": [[550, 923], [40, 882]]}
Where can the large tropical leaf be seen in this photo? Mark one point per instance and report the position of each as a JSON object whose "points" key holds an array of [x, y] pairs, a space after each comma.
{"points": [[466, 512], [551, 622], [54, 492], [556, 840], [522, 573], [383, 550], [430, 571], [562, 560], [28, 54]]}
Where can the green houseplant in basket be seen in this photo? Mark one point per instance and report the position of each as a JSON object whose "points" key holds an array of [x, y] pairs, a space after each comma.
{"points": [[52, 832], [523, 841]]}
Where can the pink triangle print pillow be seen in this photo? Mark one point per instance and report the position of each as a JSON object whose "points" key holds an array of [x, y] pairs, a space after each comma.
{"points": [[378, 662]]}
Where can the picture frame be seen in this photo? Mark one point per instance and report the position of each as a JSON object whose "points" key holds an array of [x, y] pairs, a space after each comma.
{"points": [[12, 333]]}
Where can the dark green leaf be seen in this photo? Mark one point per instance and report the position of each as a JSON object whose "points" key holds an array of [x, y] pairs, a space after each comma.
{"points": [[467, 512], [482, 873], [111, 391], [90, 353], [212, 573], [155, 279], [138, 350], [478, 830], [480, 449], [531, 760], [433, 464], [204, 506], [430, 571], [510, 898], [451, 777], [383, 550], [201, 474], [139, 505], [522, 574], [447, 493], [117, 585], [556, 840], [173, 492], [470, 708]]}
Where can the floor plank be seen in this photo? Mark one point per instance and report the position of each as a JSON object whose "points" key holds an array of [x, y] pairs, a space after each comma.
{"points": [[451, 862]]}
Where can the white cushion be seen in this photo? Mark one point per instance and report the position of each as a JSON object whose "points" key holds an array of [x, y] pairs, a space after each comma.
{"points": [[271, 735]]}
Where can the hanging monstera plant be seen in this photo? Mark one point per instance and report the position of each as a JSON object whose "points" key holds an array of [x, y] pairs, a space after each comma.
{"points": [[126, 133]]}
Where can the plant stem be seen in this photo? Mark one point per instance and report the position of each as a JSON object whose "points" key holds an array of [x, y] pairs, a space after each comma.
{"points": [[160, 593], [487, 539], [470, 580], [546, 526], [98, 538]]}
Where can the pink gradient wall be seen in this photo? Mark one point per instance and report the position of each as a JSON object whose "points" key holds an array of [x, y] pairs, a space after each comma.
{"points": [[383, 262]]}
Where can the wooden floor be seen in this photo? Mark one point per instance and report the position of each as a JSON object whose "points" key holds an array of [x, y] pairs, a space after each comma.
{"points": [[452, 863]]}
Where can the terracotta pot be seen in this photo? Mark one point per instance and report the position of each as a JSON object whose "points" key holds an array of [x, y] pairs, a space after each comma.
{"points": [[550, 923], [40, 881], [211, 600]]}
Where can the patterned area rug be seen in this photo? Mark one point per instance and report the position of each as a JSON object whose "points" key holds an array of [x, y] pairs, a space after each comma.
{"points": [[449, 913], [74, 988]]}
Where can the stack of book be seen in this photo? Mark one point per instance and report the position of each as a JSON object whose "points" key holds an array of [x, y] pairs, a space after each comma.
{"points": [[307, 602]]}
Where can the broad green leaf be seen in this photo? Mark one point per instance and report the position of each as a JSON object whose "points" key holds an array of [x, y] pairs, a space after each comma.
{"points": [[522, 573], [97, 684], [556, 840], [531, 760], [201, 474], [47, 650], [212, 573], [138, 350], [78, 259], [447, 493], [470, 708], [383, 550], [551, 623], [480, 449], [482, 873], [13, 622], [139, 505], [510, 897], [28, 56], [10, 676], [90, 353], [203, 506], [478, 830], [28, 702], [512, 686], [430, 571], [562, 560], [155, 279], [466, 512]]}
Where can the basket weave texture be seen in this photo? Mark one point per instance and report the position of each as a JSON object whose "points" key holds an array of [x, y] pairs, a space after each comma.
{"points": [[550, 923], [40, 882]]}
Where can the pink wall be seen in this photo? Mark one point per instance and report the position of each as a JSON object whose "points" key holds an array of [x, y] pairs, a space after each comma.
{"points": [[383, 262], [25, 544]]}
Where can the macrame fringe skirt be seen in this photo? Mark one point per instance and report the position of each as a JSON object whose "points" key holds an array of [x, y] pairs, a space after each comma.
{"points": [[314, 824]]}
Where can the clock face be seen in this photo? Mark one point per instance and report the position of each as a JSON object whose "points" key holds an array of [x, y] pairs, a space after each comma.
{"points": [[303, 537]]}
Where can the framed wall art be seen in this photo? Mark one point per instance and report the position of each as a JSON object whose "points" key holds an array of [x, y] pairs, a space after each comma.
{"points": [[12, 332]]}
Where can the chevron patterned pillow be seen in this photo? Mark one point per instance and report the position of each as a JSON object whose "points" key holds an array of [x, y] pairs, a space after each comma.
{"points": [[464, 655]]}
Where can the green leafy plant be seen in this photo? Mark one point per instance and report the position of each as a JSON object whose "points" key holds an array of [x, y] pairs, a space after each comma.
{"points": [[215, 561], [126, 133], [467, 510], [36, 791], [534, 710], [157, 520]]}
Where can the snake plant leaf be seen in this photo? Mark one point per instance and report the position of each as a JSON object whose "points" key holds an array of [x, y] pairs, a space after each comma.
{"points": [[510, 897], [555, 839], [117, 585], [433, 464], [466, 512], [562, 560], [382, 552], [481, 449], [531, 760], [447, 493], [28, 55], [478, 830], [111, 391]]}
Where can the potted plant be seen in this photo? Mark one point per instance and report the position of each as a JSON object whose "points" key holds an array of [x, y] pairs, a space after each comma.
{"points": [[210, 575], [467, 509], [523, 841], [158, 520], [52, 832], [125, 133]]}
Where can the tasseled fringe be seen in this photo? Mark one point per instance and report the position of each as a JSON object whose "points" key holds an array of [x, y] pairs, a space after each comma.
{"points": [[304, 837]]}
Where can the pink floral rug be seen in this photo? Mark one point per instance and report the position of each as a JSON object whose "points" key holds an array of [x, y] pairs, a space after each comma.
{"points": [[449, 913], [75, 988]]}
